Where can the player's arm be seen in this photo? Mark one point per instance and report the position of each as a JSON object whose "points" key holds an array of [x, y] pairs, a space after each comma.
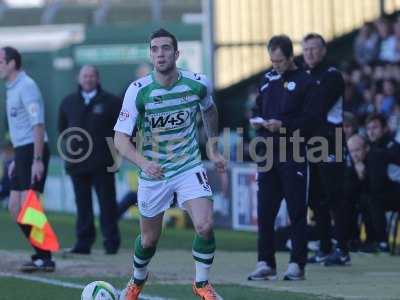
{"points": [[123, 131], [209, 113], [128, 150]]}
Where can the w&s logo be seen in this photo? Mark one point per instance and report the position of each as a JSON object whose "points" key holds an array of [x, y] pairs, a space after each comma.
{"points": [[169, 120]]}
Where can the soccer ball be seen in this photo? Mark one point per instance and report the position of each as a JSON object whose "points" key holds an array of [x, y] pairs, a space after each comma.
{"points": [[99, 290]]}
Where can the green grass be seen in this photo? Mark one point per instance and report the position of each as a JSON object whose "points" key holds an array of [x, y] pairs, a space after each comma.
{"points": [[371, 277], [13, 289], [25, 290], [172, 238]]}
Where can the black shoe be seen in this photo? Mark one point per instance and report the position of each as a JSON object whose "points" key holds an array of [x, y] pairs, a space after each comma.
{"points": [[77, 250], [369, 247], [354, 245], [337, 258], [111, 251], [38, 264], [318, 258]]}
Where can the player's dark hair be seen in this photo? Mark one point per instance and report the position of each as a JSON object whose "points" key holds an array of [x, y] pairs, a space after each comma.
{"points": [[13, 54], [282, 42], [164, 33]]}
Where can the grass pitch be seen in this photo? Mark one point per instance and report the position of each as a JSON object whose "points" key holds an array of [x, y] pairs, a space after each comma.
{"points": [[370, 276]]}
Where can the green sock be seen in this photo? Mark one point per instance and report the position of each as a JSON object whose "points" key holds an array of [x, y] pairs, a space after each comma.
{"points": [[203, 254], [141, 259]]}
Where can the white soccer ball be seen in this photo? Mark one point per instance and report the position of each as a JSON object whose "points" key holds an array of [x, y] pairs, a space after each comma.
{"points": [[99, 290]]}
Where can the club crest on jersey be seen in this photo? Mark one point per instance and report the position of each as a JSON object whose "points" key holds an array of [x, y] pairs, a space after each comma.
{"points": [[186, 97], [157, 99], [290, 86]]}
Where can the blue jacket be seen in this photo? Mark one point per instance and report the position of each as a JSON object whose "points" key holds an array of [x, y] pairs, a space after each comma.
{"points": [[292, 98]]}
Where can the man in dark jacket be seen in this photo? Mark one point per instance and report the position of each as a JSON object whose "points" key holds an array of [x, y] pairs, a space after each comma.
{"points": [[326, 195], [383, 174], [86, 120], [285, 106]]}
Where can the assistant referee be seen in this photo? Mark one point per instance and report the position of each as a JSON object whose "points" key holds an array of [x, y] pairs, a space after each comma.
{"points": [[25, 114]]}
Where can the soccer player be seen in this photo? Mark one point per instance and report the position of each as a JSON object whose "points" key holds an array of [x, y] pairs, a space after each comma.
{"points": [[25, 114], [164, 105]]}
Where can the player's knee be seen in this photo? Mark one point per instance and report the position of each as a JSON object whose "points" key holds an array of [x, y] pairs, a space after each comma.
{"points": [[205, 228]]}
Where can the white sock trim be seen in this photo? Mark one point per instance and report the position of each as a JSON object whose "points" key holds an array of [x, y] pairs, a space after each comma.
{"points": [[202, 271], [140, 273]]}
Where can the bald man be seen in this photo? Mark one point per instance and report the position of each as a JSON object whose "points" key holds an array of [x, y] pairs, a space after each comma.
{"points": [[373, 167], [86, 120]]}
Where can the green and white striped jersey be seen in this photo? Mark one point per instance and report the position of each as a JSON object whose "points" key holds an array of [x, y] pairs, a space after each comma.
{"points": [[166, 120]]}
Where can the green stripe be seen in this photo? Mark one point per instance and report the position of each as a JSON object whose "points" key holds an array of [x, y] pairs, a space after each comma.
{"points": [[166, 97], [204, 261], [172, 107], [161, 147], [195, 85], [173, 175], [202, 245]]}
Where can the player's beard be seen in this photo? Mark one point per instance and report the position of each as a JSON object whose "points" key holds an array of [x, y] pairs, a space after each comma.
{"points": [[168, 69]]}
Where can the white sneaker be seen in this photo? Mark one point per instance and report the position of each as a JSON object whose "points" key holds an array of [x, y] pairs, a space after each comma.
{"points": [[294, 272], [262, 272]]}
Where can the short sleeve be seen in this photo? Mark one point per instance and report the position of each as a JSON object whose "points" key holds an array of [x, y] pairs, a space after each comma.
{"points": [[207, 100], [33, 103], [128, 115]]}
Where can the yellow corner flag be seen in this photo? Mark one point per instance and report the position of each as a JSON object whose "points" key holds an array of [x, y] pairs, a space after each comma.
{"points": [[42, 235]]}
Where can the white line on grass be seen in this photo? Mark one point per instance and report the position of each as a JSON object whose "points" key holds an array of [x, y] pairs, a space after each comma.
{"points": [[64, 283]]}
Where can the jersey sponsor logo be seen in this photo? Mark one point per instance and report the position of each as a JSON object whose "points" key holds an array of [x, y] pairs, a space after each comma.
{"points": [[123, 115], [137, 84], [169, 120]]}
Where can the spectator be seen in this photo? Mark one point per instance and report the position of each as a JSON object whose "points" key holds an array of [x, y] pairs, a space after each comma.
{"points": [[366, 45], [387, 47], [94, 111], [371, 167]]}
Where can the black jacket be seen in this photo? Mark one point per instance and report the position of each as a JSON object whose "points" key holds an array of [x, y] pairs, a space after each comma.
{"points": [[331, 85], [97, 119], [291, 98]]}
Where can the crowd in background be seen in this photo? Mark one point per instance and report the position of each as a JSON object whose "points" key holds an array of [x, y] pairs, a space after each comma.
{"points": [[373, 77]]}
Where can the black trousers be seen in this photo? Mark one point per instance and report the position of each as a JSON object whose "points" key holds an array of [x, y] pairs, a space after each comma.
{"points": [[285, 180], [328, 202], [384, 194], [104, 185]]}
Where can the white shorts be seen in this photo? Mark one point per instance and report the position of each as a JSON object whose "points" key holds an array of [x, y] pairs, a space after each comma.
{"points": [[155, 197]]}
